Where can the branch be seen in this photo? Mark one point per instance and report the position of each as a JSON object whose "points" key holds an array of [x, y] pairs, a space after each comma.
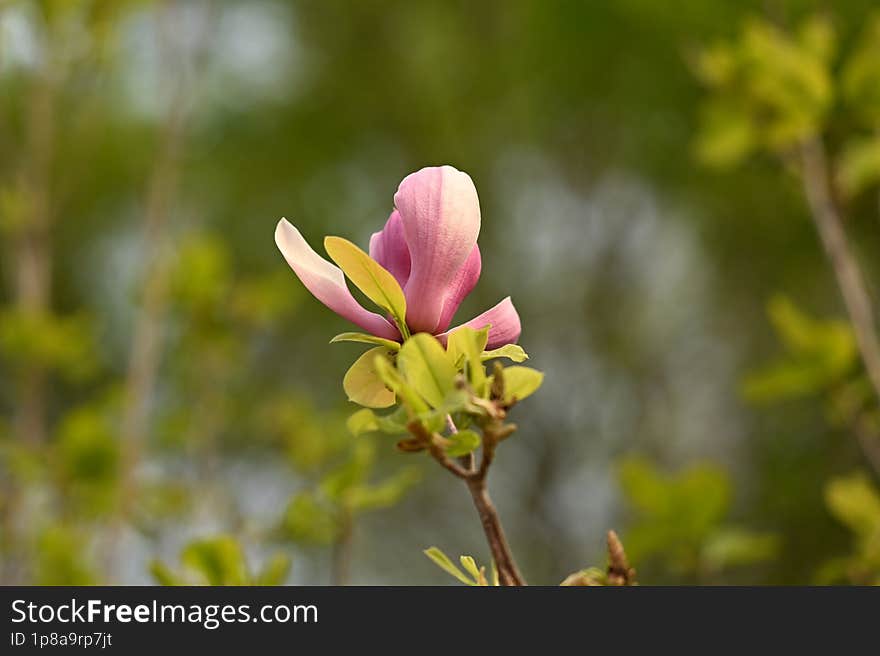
{"points": [[342, 548], [826, 215], [493, 432], [31, 248], [508, 572], [146, 347]]}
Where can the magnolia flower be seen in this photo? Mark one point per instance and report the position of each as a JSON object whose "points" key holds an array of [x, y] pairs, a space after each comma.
{"points": [[429, 247]]}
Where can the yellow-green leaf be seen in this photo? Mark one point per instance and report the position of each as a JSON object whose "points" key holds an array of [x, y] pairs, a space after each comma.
{"points": [[427, 367], [470, 565], [362, 421], [442, 561], [859, 166], [370, 277], [520, 382], [462, 443], [465, 346], [855, 501], [392, 378], [364, 338], [363, 384], [512, 352]]}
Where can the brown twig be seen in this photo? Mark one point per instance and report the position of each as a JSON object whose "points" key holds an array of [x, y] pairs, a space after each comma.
{"points": [[342, 549], [494, 430], [829, 224], [30, 248], [508, 572], [146, 341], [618, 573], [32, 245], [146, 346]]}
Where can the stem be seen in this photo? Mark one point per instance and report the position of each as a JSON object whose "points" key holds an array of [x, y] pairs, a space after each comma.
{"points": [[147, 339], [32, 250], [508, 572], [475, 479], [826, 215], [148, 335], [342, 550]]}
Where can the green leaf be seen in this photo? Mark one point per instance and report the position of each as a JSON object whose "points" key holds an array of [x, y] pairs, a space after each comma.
{"points": [[512, 352], [442, 561], [466, 344], [860, 80], [726, 134], [362, 421], [459, 343], [275, 571], [363, 338], [393, 423], [362, 383], [730, 547], [427, 368], [370, 277], [854, 501], [462, 443], [859, 165], [820, 353], [163, 575], [470, 566], [392, 378], [309, 521], [219, 560], [349, 474], [521, 382], [384, 494]]}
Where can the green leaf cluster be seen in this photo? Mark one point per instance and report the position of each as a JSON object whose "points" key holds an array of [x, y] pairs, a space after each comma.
{"points": [[220, 560], [680, 521], [423, 381], [62, 344], [469, 573], [769, 89], [854, 500], [322, 512], [62, 558], [820, 361], [859, 161], [819, 354]]}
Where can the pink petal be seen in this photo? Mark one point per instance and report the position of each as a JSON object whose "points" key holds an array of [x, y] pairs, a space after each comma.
{"points": [[463, 285], [504, 321], [388, 247], [440, 212], [327, 282]]}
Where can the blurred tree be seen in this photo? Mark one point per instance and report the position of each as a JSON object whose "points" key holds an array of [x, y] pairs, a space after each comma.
{"points": [[316, 110]]}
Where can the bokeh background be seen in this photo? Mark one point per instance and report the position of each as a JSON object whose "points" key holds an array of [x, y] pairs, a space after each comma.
{"points": [[170, 409]]}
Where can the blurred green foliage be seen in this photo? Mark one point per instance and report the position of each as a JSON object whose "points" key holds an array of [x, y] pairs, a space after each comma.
{"points": [[321, 515], [769, 89], [220, 561], [820, 354], [316, 110], [681, 522], [855, 502]]}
